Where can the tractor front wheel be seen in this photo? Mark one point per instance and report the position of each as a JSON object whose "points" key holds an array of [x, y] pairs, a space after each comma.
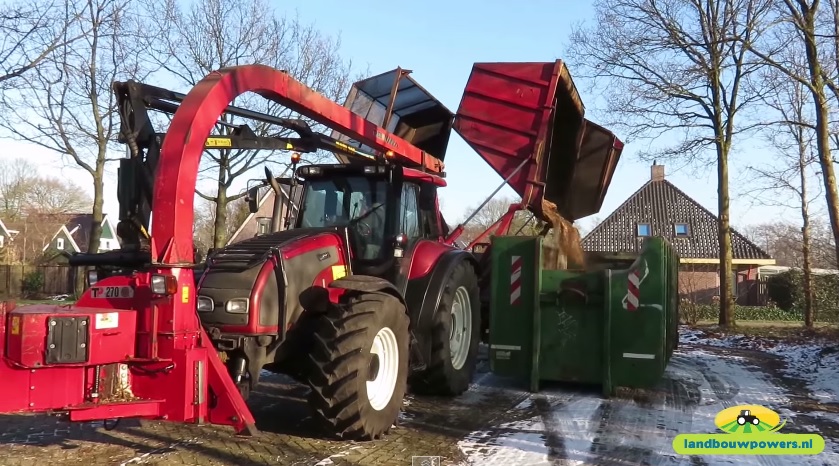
{"points": [[359, 366], [454, 337]]}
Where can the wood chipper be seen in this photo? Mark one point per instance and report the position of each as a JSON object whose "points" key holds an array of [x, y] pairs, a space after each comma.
{"points": [[357, 291]]}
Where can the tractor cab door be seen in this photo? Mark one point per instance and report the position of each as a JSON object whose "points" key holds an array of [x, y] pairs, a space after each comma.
{"points": [[410, 222]]}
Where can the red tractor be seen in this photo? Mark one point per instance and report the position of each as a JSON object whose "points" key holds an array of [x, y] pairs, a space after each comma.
{"points": [[356, 290]]}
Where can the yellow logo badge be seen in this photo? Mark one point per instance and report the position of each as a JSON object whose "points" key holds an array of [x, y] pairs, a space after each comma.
{"points": [[748, 419]]}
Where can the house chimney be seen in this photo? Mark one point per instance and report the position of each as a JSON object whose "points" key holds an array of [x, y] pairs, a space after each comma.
{"points": [[657, 172]]}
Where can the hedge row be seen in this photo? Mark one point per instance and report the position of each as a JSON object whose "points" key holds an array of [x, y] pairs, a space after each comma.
{"points": [[786, 291], [692, 314]]}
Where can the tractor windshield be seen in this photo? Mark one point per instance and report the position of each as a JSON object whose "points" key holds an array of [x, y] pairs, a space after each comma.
{"points": [[355, 201]]}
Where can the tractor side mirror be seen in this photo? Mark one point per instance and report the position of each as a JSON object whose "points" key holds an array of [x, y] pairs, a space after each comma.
{"points": [[253, 196]]}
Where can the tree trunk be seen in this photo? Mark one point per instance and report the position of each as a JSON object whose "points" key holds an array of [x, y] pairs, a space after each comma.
{"points": [[826, 163], [96, 222], [817, 89], [220, 223], [726, 301], [805, 237]]}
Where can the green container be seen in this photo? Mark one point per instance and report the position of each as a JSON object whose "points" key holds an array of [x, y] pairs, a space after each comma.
{"points": [[584, 327]]}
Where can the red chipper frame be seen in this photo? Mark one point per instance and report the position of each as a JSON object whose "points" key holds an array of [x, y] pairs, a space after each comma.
{"points": [[138, 338]]}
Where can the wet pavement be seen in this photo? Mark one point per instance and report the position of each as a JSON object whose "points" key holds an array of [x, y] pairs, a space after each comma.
{"points": [[495, 423]]}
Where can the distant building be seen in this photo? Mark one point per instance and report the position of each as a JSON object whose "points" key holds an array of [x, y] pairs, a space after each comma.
{"points": [[258, 223], [73, 236], [659, 208]]}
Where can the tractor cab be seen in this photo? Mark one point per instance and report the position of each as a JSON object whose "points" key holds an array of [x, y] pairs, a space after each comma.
{"points": [[384, 208], [357, 201]]}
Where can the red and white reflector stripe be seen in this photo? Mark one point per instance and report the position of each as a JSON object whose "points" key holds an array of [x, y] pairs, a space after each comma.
{"points": [[515, 280], [632, 295]]}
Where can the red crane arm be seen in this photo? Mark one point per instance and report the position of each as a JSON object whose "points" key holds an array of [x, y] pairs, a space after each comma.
{"points": [[175, 183]]}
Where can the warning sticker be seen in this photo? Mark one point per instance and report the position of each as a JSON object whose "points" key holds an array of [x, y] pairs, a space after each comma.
{"points": [[108, 320], [15, 325], [339, 271]]}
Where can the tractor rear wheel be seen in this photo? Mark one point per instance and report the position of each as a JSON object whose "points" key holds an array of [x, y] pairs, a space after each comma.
{"points": [[359, 366], [454, 337]]}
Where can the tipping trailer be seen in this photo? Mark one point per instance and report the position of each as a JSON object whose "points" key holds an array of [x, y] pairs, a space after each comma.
{"points": [[606, 325], [357, 291]]}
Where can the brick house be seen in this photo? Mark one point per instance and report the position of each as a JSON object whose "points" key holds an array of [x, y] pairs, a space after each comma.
{"points": [[659, 208]]}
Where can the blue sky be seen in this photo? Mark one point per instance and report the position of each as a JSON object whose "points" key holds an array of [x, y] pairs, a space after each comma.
{"points": [[439, 41]]}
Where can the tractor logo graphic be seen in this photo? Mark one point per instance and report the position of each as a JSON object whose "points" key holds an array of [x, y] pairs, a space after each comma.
{"points": [[750, 419], [746, 416]]}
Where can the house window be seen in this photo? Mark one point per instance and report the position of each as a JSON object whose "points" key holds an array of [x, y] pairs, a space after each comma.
{"points": [[644, 229], [263, 225], [682, 229], [59, 243]]}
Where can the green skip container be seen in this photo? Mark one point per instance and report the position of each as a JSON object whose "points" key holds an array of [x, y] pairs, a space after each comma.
{"points": [[614, 328]]}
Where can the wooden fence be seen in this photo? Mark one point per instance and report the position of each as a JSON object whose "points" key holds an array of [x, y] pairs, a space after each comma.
{"points": [[57, 279], [753, 292]]}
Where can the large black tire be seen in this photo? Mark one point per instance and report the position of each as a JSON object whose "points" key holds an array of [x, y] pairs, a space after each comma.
{"points": [[443, 377], [341, 361]]}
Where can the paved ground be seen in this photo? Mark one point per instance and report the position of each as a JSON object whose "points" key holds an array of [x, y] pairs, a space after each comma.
{"points": [[492, 424]]}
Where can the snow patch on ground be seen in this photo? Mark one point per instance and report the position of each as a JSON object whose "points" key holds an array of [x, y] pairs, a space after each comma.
{"points": [[832, 417], [817, 363], [585, 428]]}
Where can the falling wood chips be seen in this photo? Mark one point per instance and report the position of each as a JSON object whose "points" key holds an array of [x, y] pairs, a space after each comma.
{"points": [[566, 250]]}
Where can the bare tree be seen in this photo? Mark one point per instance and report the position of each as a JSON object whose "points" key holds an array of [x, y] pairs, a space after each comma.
{"points": [[29, 33], [695, 290], [783, 240], [590, 224], [23, 192], [204, 223], [675, 66], [523, 223], [219, 33], [799, 27], [792, 137], [66, 104], [15, 181], [49, 195]]}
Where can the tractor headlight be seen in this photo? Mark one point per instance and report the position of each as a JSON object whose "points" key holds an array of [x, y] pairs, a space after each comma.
{"points": [[163, 284], [237, 306], [205, 304]]}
